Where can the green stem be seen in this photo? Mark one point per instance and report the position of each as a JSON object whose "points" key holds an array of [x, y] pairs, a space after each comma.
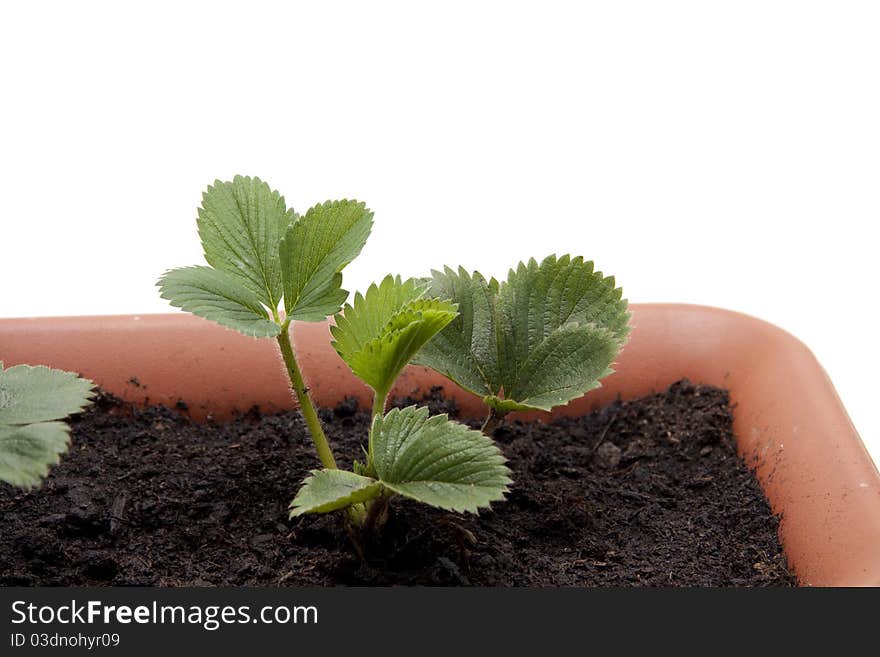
{"points": [[305, 401], [379, 400], [493, 421], [364, 516]]}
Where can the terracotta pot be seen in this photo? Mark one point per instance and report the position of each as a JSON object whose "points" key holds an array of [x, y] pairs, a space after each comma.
{"points": [[788, 419]]}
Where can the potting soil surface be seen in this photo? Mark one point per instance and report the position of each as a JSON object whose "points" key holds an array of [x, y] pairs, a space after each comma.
{"points": [[648, 492]]}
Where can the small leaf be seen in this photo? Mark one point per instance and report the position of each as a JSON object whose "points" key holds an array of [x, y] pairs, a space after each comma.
{"points": [[436, 461], [566, 364], [380, 333], [30, 399], [367, 316], [40, 394], [536, 299], [328, 490], [26, 452], [220, 297], [466, 351], [381, 360], [543, 337], [241, 224], [315, 249]]}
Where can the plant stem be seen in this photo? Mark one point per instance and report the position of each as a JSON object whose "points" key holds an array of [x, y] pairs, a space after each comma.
{"points": [[379, 400], [305, 401], [493, 421], [377, 513]]}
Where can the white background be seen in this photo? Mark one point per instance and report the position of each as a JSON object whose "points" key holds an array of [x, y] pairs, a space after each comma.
{"points": [[722, 153]]}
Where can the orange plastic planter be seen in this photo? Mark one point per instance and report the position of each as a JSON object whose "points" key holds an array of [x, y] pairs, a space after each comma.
{"points": [[789, 421]]}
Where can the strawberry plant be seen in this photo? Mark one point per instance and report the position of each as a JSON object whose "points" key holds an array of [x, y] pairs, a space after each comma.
{"points": [[543, 337], [33, 403], [269, 267]]}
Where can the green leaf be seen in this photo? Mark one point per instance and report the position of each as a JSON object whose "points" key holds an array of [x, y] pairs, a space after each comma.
{"points": [[315, 249], [220, 297], [428, 459], [241, 224], [367, 316], [569, 362], [536, 299], [380, 333], [466, 351], [436, 461], [40, 394], [30, 399], [543, 337], [26, 452], [329, 490]]}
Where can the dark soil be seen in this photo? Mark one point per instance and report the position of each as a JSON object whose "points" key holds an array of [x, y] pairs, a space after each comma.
{"points": [[646, 492]]}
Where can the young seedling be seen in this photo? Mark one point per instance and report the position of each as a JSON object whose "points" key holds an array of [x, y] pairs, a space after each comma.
{"points": [[269, 267], [543, 337], [432, 460], [33, 403]]}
